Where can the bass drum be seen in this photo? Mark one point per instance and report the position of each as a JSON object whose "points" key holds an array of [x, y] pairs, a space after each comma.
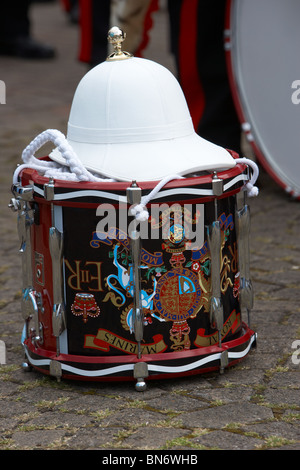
{"points": [[261, 42]]}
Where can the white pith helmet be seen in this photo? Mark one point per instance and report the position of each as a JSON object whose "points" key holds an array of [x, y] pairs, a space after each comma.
{"points": [[129, 120]]}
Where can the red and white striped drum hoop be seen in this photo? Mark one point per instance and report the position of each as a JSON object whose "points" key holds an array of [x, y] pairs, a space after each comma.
{"points": [[261, 43]]}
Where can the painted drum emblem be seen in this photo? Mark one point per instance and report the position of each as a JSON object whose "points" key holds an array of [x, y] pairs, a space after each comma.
{"points": [[178, 295], [85, 305], [176, 234]]}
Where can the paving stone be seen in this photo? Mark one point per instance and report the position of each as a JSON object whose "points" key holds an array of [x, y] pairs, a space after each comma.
{"points": [[218, 416], [30, 440], [277, 428], [155, 438], [222, 440]]}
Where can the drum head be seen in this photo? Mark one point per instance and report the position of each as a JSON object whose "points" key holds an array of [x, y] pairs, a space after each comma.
{"points": [[263, 38]]}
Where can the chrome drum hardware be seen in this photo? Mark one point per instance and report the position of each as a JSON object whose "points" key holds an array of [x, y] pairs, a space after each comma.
{"points": [[243, 232], [31, 300], [56, 252], [58, 311], [214, 243], [216, 308]]}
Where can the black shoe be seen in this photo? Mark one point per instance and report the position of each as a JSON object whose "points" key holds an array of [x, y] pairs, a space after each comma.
{"points": [[26, 48]]}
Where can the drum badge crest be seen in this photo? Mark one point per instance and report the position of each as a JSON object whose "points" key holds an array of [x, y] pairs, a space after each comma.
{"points": [[85, 305], [175, 288]]}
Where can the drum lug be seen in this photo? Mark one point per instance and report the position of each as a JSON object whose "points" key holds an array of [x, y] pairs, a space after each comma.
{"points": [[246, 294], [243, 232], [138, 325], [223, 361], [2, 353], [31, 305], [14, 204], [134, 194], [134, 197], [214, 241], [55, 369], [49, 190], [58, 319], [216, 313], [19, 203], [24, 193], [31, 301], [216, 308], [217, 185], [24, 222], [35, 303], [58, 310], [26, 307], [140, 371]]}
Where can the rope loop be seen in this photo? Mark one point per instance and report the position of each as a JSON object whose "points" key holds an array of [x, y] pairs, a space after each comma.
{"points": [[74, 170], [252, 190], [78, 171]]}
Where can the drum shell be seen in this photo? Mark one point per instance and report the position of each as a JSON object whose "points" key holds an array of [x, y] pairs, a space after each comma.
{"points": [[99, 269]]}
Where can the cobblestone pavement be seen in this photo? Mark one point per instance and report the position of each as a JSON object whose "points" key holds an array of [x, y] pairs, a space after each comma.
{"points": [[252, 406]]}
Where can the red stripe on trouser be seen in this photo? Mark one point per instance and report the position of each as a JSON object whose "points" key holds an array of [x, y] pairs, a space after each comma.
{"points": [[86, 30], [66, 5], [148, 23], [188, 73]]}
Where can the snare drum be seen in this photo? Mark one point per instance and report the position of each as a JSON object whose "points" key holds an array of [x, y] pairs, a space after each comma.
{"points": [[261, 39], [78, 275]]}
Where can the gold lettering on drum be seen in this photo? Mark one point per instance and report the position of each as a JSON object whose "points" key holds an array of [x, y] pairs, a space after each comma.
{"points": [[97, 277], [80, 276], [231, 324], [234, 254], [105, 339]]}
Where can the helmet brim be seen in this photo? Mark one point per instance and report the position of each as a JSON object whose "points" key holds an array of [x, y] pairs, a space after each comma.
{"points": [[150, 161]]}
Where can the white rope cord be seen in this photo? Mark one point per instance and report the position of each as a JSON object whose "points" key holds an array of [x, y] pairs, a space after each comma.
{"points": [[139, 210], [74, 169], [141, 213], [251, 189]]}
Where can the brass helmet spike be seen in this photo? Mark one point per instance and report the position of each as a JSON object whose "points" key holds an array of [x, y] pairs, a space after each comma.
{"points": [[115, 37]]}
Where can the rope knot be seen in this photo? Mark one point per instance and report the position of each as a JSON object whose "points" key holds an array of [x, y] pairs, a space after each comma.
{"points": [[252, 191], [140, 212]]}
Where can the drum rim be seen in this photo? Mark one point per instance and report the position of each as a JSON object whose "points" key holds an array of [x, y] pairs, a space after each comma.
{"points": [[233, 347]]}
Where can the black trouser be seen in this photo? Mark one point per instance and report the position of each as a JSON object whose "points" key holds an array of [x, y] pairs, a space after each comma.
{"points": [[94, 25], [197, 28], [14, 20]]}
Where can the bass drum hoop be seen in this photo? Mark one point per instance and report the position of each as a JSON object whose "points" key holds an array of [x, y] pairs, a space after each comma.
{"points": [[276, 166]]}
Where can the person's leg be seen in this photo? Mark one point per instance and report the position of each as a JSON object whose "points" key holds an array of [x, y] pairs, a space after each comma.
{"points": [[15, 37], [197, 28], [94, 26]]}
